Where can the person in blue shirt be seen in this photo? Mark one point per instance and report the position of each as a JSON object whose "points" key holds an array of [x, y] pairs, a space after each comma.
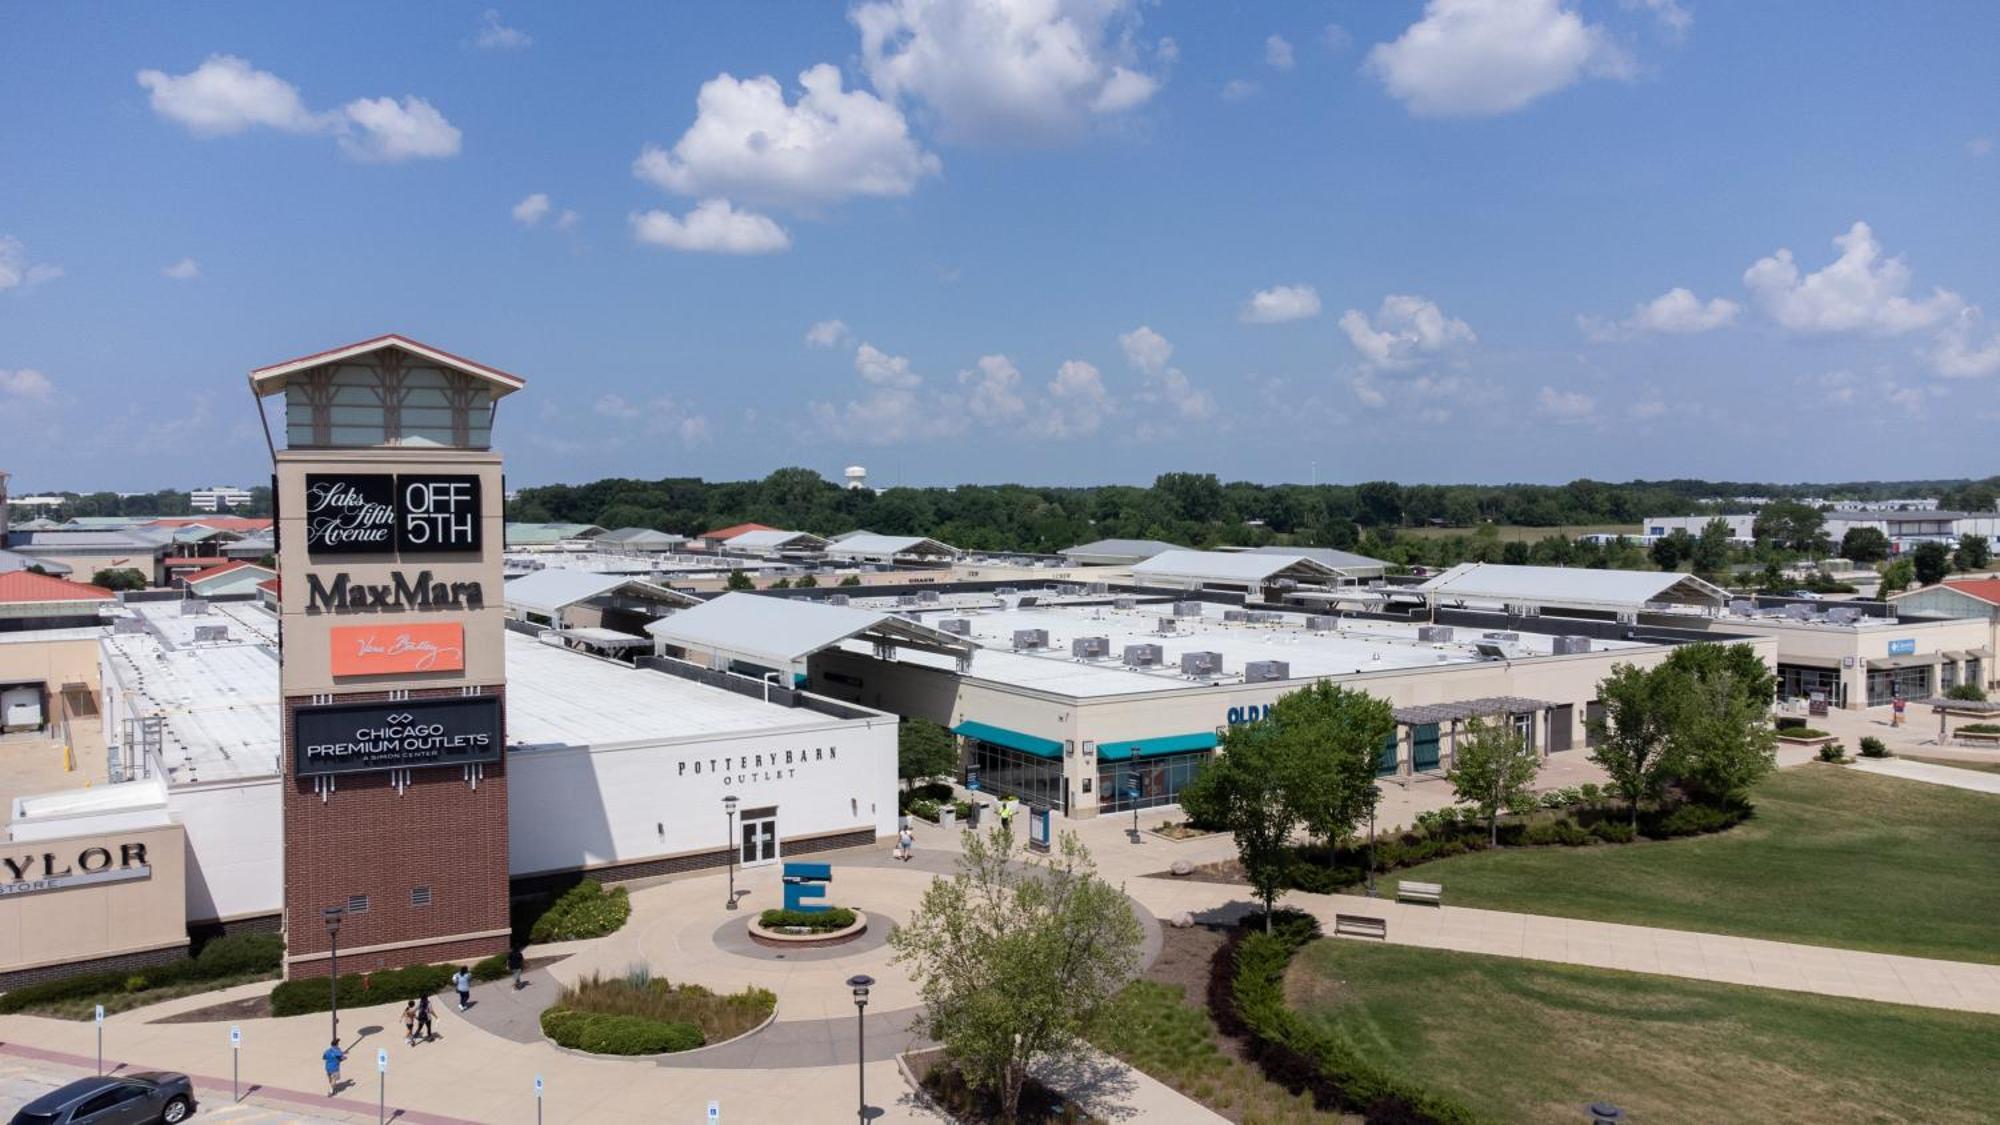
{"points": [[334, 1056]]}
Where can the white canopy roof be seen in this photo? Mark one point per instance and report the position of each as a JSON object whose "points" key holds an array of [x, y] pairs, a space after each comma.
{"points": [[869, 545], [770, 540], [782, 632], [553, 590], [1571, 586], [1235, 567]]}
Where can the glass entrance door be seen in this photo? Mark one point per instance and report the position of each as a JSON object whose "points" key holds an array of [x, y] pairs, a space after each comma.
{"points": [[759, 839]]}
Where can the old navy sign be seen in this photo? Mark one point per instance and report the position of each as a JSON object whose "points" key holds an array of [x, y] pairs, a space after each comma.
{"points": [[1249, 714], [369, 650], [31, 873], [407, 734], [385, 513]]}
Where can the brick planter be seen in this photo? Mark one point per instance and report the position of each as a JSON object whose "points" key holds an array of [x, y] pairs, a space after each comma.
{"points": [[778, 939]]}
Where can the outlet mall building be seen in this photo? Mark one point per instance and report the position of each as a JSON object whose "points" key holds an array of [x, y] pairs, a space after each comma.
{"points": [[386, 743]]}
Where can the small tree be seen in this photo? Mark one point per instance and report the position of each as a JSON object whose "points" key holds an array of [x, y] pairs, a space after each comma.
{"points": [[739, 581], [851, 580], [1865, 545], [1897, 576], [1711, 548], [781, 584], [1492, 770], [1245, 789], [1974, 552], [1632, 735], [1014, 956], [805, 582], [1931, 562], [1669, 551], [924, 750], [121, 578], [1971, 693], [1720, 740], [1331, 738]]}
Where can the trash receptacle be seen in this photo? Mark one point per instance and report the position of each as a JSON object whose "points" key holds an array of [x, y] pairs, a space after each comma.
{"points": [[972, 818]]}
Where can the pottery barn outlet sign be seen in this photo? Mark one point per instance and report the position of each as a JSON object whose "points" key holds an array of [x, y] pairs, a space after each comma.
{"points": [[407, 734], [390, 513]]}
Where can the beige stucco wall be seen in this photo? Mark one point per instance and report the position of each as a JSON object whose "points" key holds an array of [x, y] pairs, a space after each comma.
{"points": [[79, 923], [308, 635], [54, 663], [1850, 650]]}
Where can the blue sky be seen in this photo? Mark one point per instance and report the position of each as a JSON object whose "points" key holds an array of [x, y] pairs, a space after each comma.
{"points": [[1042, 241]]}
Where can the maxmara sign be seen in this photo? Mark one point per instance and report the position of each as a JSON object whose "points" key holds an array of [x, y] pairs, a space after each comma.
{"points": [[391, 513], [404, 591], [33, 872], [406, 734]]}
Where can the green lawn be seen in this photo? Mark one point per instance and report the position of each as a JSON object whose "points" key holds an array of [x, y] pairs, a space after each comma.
{"points": [[1833, 857], [1528, 1041], [1150, 1025], [1954, 763]]}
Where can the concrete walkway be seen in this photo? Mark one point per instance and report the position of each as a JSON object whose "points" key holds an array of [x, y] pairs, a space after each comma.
{"points": [[1975, 780]]}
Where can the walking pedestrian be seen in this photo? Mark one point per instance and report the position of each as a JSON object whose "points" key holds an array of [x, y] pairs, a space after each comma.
{"points": [[516, 964], [409, 1023], [906, 844], [462, 980], [333, 1056], [424, 1028], [1007, 806], [1896, 710]]}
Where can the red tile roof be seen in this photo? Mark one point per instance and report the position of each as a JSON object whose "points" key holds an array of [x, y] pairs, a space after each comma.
{"points": [[733, 532], [1985, 589], [219, 523], [196, 562], [25, 586], [271, 584], [215, 572]]}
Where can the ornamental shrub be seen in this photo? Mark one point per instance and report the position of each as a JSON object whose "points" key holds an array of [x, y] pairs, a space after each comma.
{"points": [[1613, 832], [234, 954], [491, 968], [1831, 752], [832, 918], [1692, 820], [586, 910], [618, 1035], [1871, 747]]}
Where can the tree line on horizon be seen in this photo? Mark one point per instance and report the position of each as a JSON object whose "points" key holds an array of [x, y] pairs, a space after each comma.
{"points": [[1199, 510]]}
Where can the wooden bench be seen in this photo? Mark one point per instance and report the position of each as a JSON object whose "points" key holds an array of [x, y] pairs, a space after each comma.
{"points": [[1975, 736], [1432, 893], [1360, 925]]}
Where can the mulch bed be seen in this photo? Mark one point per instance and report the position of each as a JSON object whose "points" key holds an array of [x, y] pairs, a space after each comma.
{"points": [[1039, 1104], [259, 1007]]}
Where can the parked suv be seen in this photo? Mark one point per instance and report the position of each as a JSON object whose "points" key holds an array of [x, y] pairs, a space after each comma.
{"points": [[145, 1098]]}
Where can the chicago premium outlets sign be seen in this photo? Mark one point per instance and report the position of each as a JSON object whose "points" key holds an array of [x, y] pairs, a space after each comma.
{"points": [[743, 769], [406, 734], [49, 871], [384, 513]]}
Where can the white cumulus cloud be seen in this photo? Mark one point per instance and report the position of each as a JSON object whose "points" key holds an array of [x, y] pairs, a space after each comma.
{"points": [[713, 227], [1407, 331], [1677, 311], [532, 209], [1967, 348], [748, 143], [1146, 349], [993, 391], [1281, 303], [187, 269], [880, 369], [1078, 402], [1859, 291], [1238, 89], [17, 271], [1278, 53], [226, 95], [493, 35], [1565, 406], [827, 334], [1013, 71], [659, 417], [1478, 58], [1149, 353], [27, 383], [386, 130]]}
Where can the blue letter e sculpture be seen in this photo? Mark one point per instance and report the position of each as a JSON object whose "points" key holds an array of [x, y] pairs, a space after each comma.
{"points": [[804, 881]]}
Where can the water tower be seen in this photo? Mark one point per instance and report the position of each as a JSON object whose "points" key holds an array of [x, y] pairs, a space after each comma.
{"points": [[857, 477]]}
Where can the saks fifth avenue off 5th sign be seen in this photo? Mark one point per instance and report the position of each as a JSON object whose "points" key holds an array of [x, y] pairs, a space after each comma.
{"points": [[408, 734], [391, 513]]}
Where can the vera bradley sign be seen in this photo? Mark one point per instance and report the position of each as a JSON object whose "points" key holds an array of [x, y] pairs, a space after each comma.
{"points": [[383, 513], [366, 650]]}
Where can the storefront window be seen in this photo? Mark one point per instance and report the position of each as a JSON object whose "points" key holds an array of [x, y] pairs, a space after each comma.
{"points": [[1796, 681], [1010, 773], [1160, 780], [1885, 684]]}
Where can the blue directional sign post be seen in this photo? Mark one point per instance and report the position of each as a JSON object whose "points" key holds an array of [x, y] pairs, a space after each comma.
{"points": [[1132, 790], [235, 1056]]}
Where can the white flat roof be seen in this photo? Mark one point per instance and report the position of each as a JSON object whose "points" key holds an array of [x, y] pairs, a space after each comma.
{"points": [[1572, 586], [1357, 647], [1227, 566]]}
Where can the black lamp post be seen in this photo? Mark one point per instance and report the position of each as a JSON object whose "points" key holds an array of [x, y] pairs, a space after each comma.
{"points": [[860, 985], [1374, 798], [729, 811], [332, 916]]}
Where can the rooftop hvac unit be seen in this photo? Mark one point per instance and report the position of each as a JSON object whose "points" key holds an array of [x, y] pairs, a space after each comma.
{"points": [[927, 597], [1100, 587], [1843, 615], [209, 634], [127, 625], [1187, 609], [957, 625], [1166, 624], [837, 599], [1028, 600], [1142, 656], [1089, 648], [1287, 583], [1799, 612], [1201, 664], [1265, 671], [194, 607], [1123, 603], [1501, 636], [906, 599], [1570, 646], [1031, 638], [1321, 622], [1740, 606], [1434, 634], [1006, 590], [1236, 615], [1266, 616]]}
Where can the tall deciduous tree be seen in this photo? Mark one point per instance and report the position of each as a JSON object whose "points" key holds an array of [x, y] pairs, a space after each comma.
{"points": [[1721, 741], [1711, 548], [1897, 576], [1330, 740], [1974, 552], [1932, 563], [1014, 956], [924, 750], [1491, 769], [1633, 735], [1864, 545], [1246, 789]]}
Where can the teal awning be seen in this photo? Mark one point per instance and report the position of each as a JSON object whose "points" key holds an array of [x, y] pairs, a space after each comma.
{"points": [[1011, 739], [1152, 747]]}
